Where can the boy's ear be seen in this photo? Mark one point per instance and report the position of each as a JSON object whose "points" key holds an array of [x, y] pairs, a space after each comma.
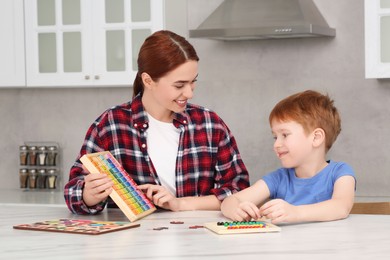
{"points": [[318, 137], [146, 79]]}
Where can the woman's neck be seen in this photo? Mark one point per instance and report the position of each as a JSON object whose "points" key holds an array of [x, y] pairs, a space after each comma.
{"points": [[156, 111]]}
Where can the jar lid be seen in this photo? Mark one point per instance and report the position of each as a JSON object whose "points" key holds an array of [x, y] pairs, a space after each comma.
{"points": [[42, 171], [23, 147], [42, 148], [52, 171], [52, 148], [32, 171], [32, 147]]}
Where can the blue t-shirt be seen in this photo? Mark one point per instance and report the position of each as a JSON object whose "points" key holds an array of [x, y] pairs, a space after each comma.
{"points": [[284, 184]]}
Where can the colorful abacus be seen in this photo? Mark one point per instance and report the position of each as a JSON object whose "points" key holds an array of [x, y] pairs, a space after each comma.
{"points": [[237, 227], [125, 192]]}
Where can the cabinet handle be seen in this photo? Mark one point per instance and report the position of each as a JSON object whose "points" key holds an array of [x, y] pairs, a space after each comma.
{"points": [[97, 77], [86, 77]]}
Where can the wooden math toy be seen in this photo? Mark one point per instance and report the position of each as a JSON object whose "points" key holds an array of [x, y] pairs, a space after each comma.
{"points": [[240, 227], [131, 200], [77, 226]]}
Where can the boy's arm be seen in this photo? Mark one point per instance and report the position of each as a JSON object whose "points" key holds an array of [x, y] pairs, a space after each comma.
{"points": [[244, 204], [338, 207]]}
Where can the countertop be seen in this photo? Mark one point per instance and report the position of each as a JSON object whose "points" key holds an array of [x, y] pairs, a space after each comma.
{"points": [[357, 237], [31, 198]]}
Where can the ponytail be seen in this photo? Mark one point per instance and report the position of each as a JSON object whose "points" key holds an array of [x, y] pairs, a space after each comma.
{"points": [[138, 86]]}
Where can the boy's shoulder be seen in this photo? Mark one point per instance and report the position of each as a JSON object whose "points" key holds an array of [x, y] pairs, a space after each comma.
{"points": [[337, 168]]}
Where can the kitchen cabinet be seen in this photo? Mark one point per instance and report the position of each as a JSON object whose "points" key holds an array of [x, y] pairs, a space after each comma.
{"points": [[12, 66], [71, 43], [377, 38]]}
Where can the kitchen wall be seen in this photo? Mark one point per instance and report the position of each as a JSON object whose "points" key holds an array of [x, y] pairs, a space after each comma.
{"points": [[241, 81]]}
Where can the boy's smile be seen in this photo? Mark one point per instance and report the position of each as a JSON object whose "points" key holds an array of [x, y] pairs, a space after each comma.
{"points": [[292, 145]]}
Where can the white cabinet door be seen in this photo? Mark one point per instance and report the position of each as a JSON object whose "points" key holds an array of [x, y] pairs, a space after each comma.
{"points": [[73, 43], [118, 35], [377, 38], [12, 65], [57, 39]]}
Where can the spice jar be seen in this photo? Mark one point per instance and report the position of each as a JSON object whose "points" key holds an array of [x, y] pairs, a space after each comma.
{"points": [[32, 155], [51, 178], [41, 179], [23, 178], [41, 155], [23, 154], [32, 178], [51, 157]]}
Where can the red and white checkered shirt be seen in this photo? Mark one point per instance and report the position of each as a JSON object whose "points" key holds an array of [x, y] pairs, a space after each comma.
{"points": [[208, 159]]}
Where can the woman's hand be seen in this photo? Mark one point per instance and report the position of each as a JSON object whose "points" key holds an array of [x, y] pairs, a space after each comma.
{"points": [[97, 187], [160, 196]]}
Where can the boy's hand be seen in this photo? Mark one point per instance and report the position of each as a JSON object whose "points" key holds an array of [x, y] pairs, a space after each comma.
{"points": [[246, 211], [279, 211]]}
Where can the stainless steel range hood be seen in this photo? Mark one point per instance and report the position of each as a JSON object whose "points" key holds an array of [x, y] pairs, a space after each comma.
{"points": [[264, 19]]}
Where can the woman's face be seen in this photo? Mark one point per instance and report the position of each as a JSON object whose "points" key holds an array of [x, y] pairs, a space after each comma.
{"points": [[172, 92]]}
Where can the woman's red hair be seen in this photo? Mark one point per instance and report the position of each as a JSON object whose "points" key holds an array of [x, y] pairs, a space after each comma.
{"points": [[162, 52]]}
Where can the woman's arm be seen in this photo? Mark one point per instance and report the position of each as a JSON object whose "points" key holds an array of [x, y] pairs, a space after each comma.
{"points": [[163, 198], [209, 202]]}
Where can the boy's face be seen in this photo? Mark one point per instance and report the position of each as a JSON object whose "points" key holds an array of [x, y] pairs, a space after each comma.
{"points": [[293, 146]]}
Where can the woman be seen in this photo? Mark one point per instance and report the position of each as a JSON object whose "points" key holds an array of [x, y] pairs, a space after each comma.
{"points": [[183, 156]]}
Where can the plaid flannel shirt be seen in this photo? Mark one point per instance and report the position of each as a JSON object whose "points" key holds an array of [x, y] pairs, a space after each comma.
{"points": [[208, 160]]}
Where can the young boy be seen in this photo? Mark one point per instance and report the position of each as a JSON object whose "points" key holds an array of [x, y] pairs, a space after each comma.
{"points": [[308, 187]]}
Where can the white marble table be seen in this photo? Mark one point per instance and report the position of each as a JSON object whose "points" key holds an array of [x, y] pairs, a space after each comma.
{"points": [[358, 237]]}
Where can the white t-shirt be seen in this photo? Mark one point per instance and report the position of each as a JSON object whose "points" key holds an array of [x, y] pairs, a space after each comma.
{"points": [[163, 144]]}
